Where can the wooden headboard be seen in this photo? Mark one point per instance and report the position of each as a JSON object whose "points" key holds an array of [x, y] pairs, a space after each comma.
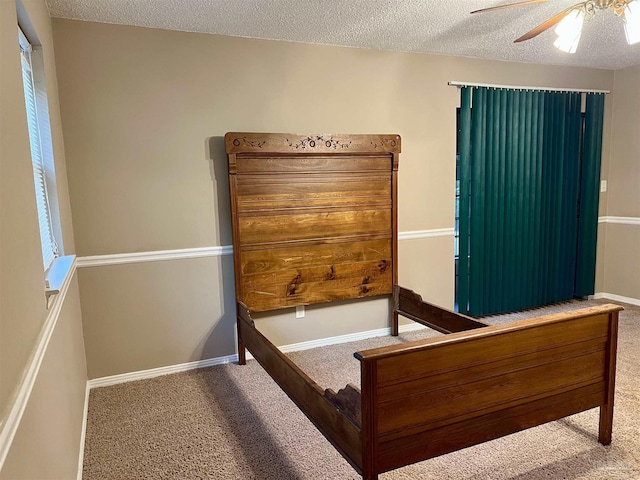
{"points": [[314, 217]]}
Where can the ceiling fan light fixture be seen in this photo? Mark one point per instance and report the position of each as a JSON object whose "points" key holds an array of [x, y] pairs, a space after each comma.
{"points": [[569, 31], [632, 22]]}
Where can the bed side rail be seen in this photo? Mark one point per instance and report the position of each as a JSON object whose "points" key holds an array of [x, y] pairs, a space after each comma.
{"points": [[410, 305], [423, 399], [336, 415]]}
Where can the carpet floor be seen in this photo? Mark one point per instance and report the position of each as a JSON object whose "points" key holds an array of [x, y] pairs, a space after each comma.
{"points": [[233, 422]]}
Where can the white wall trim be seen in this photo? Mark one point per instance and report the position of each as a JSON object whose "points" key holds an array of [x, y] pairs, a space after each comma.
{"points": [[217, 251], [83, 433], [10, 425], [350, 337], [162, 255], [620, 220], [617, 298], [155, 256], [294, 347], [156, 372]]}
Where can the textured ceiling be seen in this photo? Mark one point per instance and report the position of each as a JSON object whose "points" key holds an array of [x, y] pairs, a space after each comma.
{"points": [[429, 26]]}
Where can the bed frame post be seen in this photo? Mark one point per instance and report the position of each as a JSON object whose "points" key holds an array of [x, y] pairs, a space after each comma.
{"points": [[243, 315], [606, 409], [395, 160], [395, 300], [369, 421], [242, 356], [240, 308]]}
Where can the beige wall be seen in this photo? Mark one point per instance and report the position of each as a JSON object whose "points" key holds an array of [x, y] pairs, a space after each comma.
{"points": [[144, 111], [621, 271], [154, 314], [624, 168], [139, 106], [22, 301], [47, 444]]}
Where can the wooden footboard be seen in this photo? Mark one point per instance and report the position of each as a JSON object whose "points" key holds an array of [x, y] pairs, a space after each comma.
{"points": [[435, 396], [427, 398]]}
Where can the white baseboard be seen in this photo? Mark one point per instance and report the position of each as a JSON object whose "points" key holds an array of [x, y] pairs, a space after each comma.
{"points": [[156, 372], [294, 347], [617, 298], [83, 434], [350, 337]]}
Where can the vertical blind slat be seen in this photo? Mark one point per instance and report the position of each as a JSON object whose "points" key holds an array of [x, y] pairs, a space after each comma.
{"points": [[503, 207], [538, 204], [476, 240], [589, 196], [463, 222]]}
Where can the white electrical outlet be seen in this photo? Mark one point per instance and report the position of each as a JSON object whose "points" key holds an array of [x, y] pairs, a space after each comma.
{"points": [[603, 185], [300, 311]]}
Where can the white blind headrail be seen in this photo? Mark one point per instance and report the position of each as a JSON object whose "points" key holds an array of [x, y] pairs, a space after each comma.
{"points": [[525, 87]]}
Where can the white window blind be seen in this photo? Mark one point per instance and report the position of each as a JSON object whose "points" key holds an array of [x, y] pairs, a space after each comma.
{"points": [[42, 161]]}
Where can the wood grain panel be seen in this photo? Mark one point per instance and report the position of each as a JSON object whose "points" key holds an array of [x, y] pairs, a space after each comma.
{"points": [[311, 286], [339, 275], [269, 165], [312, 191], [490, 344], [320, 255], [291, 228], [289, 276], [486, 370], [430, 443], [490, 394]]}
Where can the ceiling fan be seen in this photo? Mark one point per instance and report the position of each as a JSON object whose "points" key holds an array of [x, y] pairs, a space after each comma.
{"points": [[569, 22]]}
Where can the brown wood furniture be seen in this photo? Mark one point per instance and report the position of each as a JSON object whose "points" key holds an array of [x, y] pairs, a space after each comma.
{"points": [[315, 220]]}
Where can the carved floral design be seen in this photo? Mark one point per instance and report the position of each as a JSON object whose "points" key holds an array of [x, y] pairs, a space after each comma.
{"points": [[317, 141], [391, 141], [247, 142]]}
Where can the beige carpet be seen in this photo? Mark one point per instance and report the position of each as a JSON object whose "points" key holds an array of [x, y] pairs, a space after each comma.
{"points": [[233, 422]]}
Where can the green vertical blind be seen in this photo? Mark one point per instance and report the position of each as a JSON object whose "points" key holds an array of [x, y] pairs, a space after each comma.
{"points": [[520, 189]]}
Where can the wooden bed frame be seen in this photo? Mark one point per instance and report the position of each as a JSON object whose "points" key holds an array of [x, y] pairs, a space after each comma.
{"points": [[315, 220]]}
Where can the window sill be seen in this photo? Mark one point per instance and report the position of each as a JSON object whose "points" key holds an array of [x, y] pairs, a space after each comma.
{"points": [[57, 274]]}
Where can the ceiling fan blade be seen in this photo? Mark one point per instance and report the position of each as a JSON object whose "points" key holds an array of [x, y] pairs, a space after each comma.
{"points": [[547, 24], [500, 7]]}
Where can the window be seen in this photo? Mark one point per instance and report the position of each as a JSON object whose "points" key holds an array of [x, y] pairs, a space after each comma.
{"points": [[41, 149]]}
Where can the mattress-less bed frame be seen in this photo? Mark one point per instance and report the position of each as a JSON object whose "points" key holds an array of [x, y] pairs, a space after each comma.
{"points": [[315, 220]]}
